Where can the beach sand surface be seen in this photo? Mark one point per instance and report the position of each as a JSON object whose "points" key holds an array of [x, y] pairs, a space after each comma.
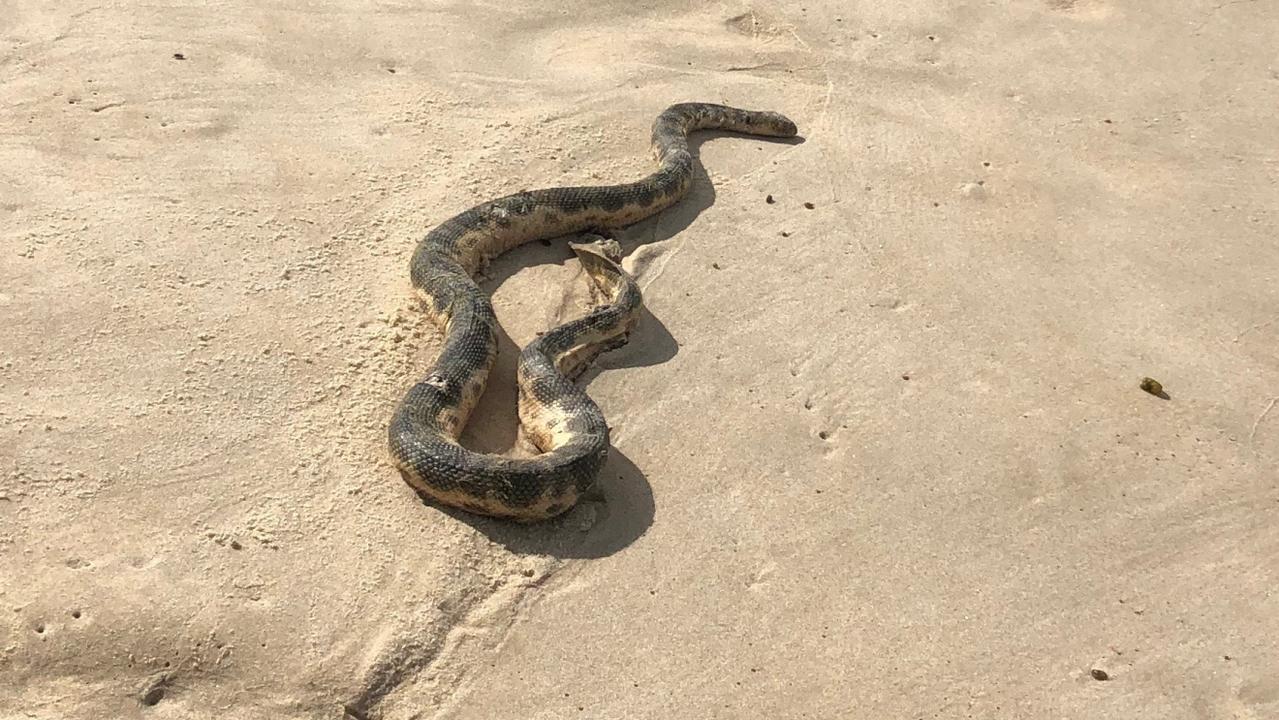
{"points": [[879, 445]]}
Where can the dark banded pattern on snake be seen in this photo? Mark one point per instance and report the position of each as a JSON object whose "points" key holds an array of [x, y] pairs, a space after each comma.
{"points": [[560, 418]]}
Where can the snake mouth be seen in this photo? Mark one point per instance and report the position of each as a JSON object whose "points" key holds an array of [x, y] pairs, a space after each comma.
{"points": [[600, 246]]}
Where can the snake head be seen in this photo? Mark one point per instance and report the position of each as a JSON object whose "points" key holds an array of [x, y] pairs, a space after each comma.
{"points": [[595, 244]]}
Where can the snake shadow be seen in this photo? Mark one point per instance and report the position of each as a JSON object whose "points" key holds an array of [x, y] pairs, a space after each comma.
{"points": [[701, 194], [622, 508]]}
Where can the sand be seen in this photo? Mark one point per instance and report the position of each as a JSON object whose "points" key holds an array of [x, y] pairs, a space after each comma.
{"points": [[881, 457]]}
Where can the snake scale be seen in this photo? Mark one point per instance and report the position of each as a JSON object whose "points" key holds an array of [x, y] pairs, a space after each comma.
{"points": [[556, 415]]}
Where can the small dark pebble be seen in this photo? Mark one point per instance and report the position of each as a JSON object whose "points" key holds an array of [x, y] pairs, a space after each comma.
{"points": [[391, 70], [154, 693], [785, 234], [715, 265], [179, 56], [810, 206], [1099, 674], [769, 199], [905, 376], [1152, 386], [235, 545]]}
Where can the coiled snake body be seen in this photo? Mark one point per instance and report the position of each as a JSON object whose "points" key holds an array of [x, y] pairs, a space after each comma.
{"points": [[559, 417]]}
